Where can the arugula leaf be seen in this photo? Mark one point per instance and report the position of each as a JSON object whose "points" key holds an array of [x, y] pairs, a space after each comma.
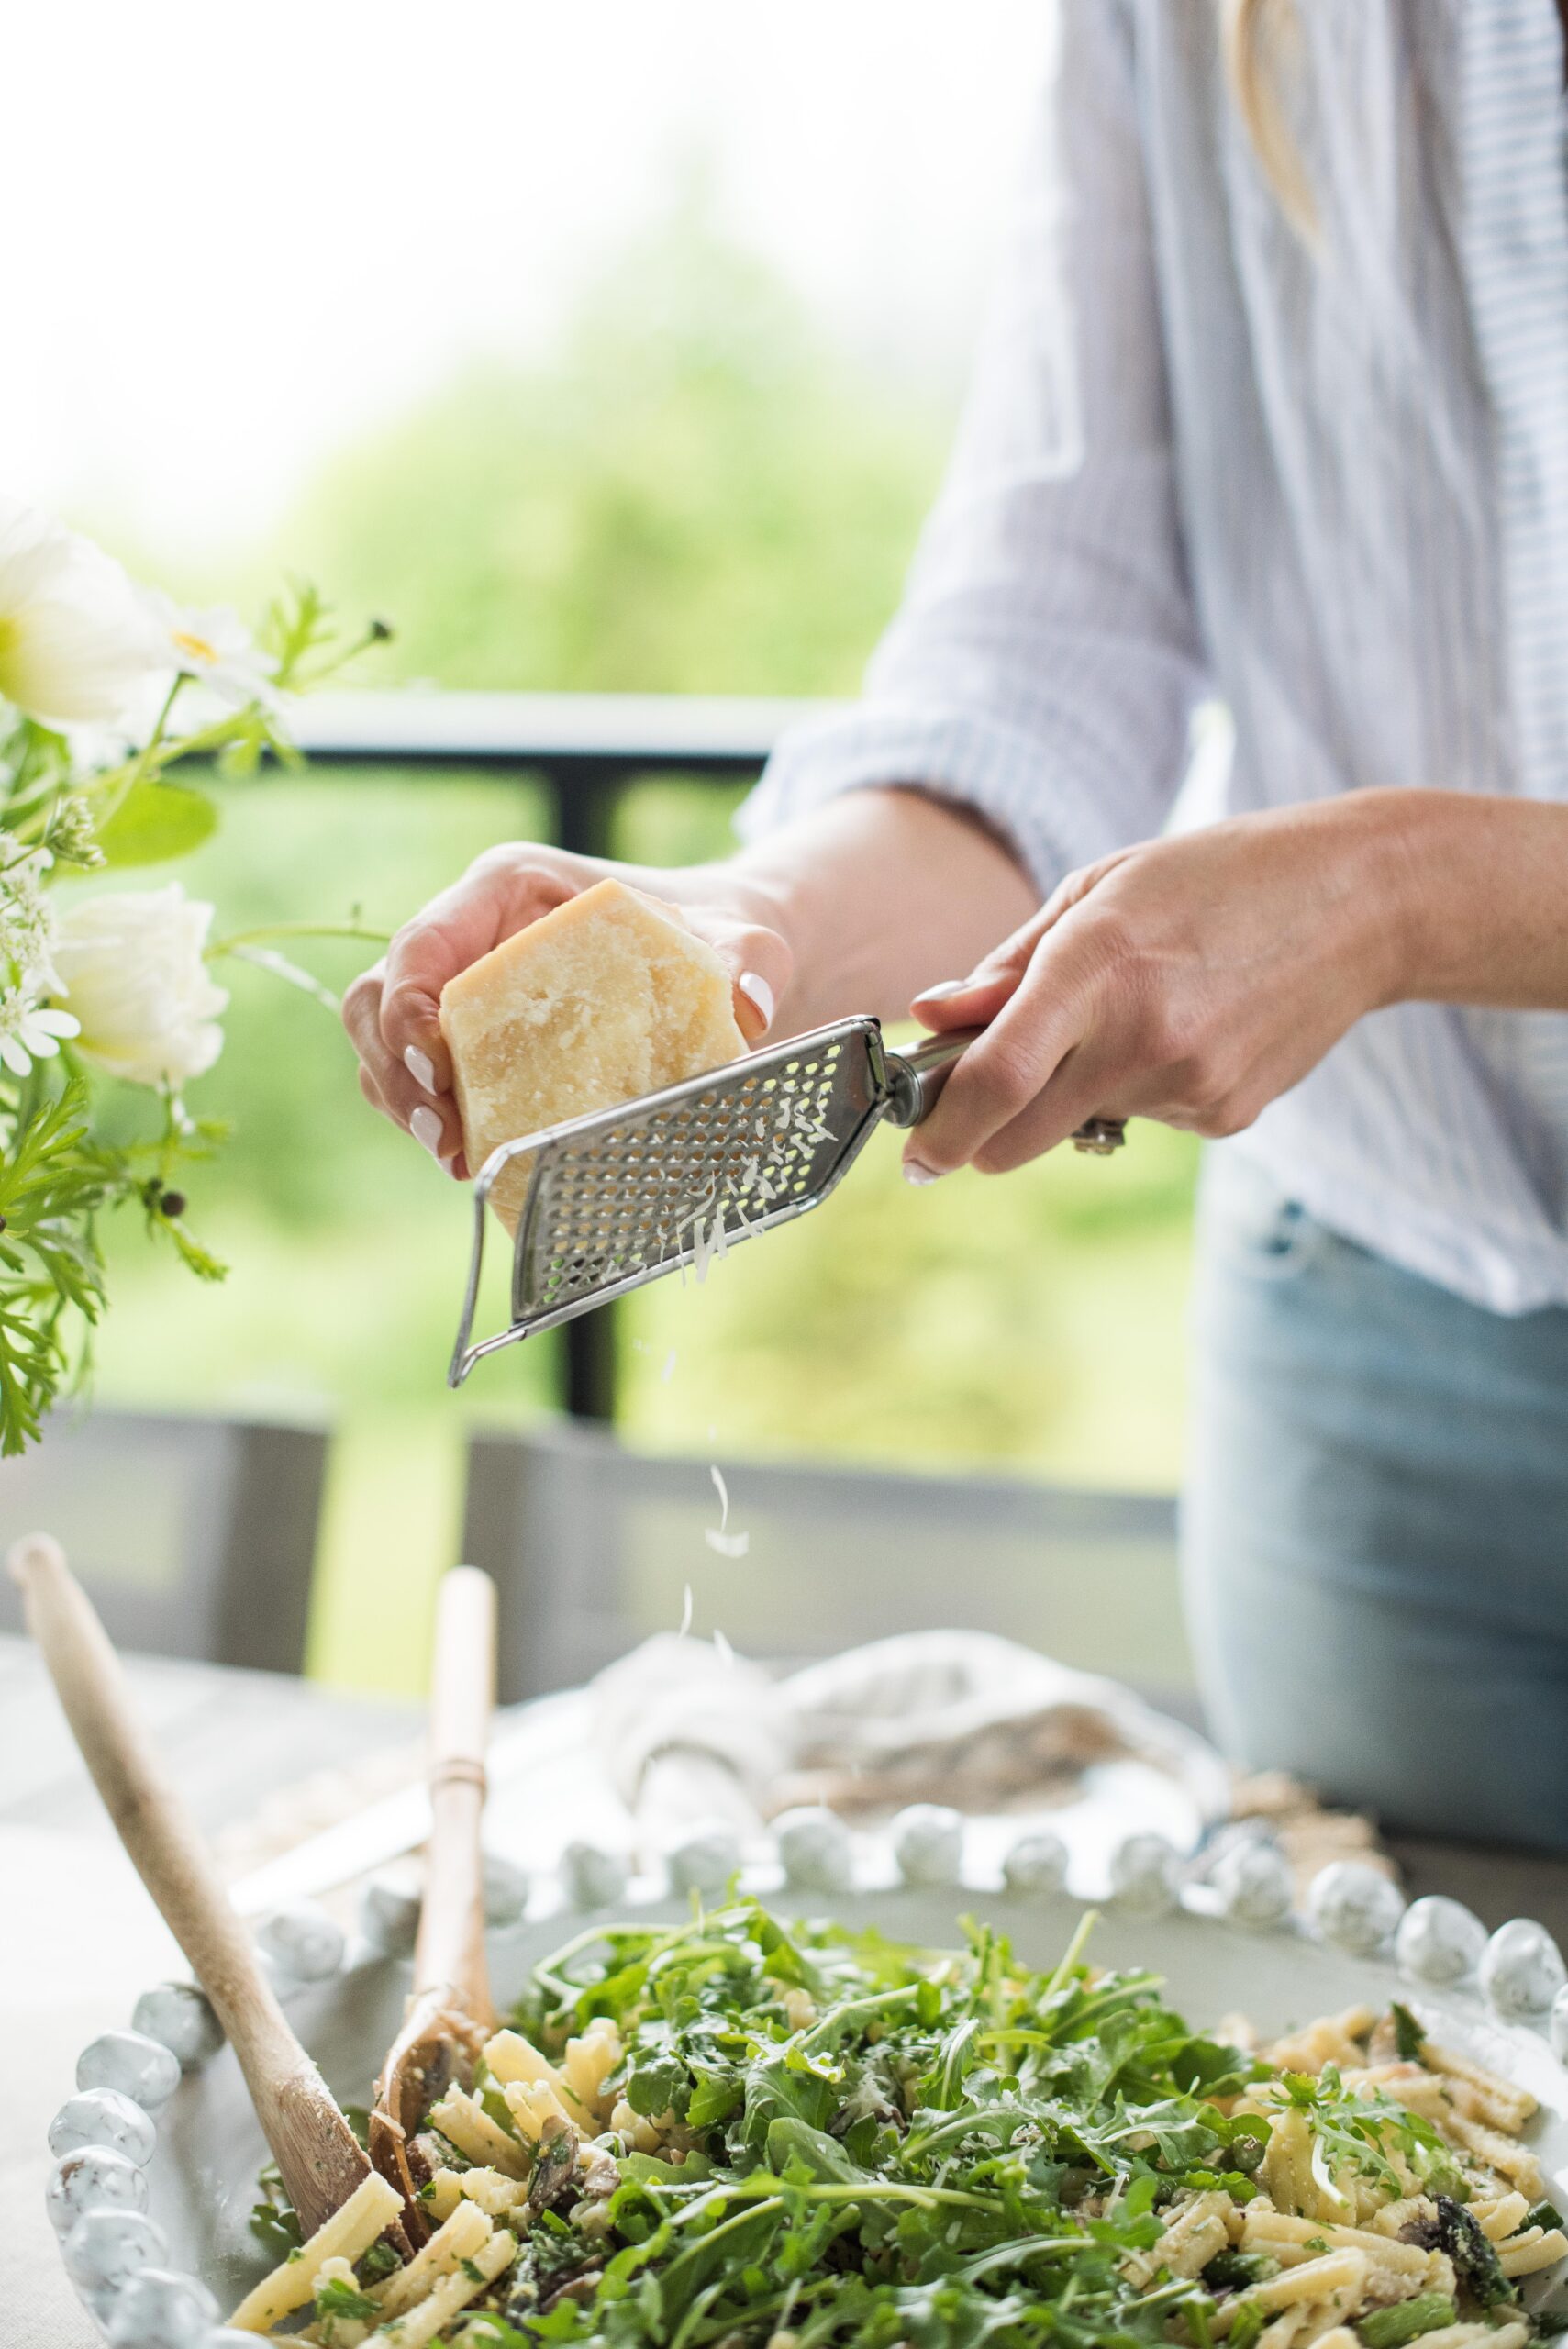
{"points": [[276, 2230], [714, 2097], [337, 2298], [776, 2088], [1355, 2132], [656, 2084], [820, 2156], [1409, 2039]]}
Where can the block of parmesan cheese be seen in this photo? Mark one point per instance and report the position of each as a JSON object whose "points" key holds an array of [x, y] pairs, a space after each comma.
{"points": [[607, 997]]}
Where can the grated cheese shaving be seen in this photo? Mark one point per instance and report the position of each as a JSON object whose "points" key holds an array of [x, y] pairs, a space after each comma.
{"points": [[728, 1545]]}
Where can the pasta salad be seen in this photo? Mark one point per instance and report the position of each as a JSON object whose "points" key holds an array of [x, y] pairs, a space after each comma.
{"points": [[726, 2132]]}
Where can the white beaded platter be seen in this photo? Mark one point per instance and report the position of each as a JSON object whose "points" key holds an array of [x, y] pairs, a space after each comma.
{"points": [[1493, 2000]]}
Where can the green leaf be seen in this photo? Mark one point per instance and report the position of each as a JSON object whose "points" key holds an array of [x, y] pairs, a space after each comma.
{"points": [[822, 2158], [276, 2228], [714, 2097], [53, 1182], [156, 821], [1356, 2131], [338, 2298], [1408, 2037], [654, 2085], [777, 2090], [1204, 2068], [1248, 2325], [187, 1247]]}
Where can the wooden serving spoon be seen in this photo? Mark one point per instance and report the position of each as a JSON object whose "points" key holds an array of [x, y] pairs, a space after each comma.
{"points": [[316, 2149], [450, 2013]]}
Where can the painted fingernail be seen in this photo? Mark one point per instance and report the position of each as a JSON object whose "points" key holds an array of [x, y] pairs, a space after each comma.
{"points": [[915, 1172], [943, 987], [757, 991], [425, 1127], [421, 1067]]}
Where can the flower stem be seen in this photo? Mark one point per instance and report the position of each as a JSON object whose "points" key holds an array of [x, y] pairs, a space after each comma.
{"points": [[133, 771], [240, 938]]}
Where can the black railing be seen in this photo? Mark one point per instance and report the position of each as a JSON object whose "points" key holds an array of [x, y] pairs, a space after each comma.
{"points": [[584, 753]]}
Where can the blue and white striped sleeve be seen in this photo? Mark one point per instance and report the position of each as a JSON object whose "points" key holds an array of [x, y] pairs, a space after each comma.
{"points": [[1046, 658]]}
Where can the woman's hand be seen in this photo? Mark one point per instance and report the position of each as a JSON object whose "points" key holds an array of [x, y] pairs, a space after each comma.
{"points": [[391, 1011], [1190, 980]]}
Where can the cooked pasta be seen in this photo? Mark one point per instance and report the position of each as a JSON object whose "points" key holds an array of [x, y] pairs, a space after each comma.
{"points": [[723, 2136]]}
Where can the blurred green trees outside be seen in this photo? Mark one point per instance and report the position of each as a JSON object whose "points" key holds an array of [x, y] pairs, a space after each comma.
{"points": [[697, 494], [694, 493]]}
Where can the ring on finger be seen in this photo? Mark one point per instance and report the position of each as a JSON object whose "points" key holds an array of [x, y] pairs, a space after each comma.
{"points": [[1100, 1137]]}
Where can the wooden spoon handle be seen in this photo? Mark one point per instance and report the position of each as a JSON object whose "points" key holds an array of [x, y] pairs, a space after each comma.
{"points": [[313, 2144], [450, 1952]]}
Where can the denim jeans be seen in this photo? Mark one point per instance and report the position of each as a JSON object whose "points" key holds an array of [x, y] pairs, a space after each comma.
{"points": [[1375, 1532]]}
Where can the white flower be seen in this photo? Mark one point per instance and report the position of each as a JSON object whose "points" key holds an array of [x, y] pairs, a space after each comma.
{"points": [[27, 918], [29, 1031], [131, 971], [77, 641], [217, 648]]}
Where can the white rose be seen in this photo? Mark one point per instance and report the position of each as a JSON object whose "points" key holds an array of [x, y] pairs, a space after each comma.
{"points": [[77, 643], [130, 968]]}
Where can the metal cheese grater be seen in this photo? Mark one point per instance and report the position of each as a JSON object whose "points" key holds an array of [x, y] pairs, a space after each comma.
{"points": [[625, 1195]]}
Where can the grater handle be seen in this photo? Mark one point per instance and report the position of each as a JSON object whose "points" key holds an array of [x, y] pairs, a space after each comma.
{"points": [[915, 1079]]}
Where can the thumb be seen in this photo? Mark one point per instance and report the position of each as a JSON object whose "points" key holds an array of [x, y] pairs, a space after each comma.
{"points": [[455, 930], [975, 1001]]}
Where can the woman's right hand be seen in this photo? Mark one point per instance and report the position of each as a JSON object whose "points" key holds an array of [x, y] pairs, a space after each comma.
{"points": [[389, 1011]]}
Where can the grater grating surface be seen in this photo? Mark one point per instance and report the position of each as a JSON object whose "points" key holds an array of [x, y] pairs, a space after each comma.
{"points": [[623, 1196]]}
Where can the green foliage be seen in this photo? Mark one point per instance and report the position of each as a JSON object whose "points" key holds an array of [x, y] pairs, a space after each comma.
{"points": [[697, 496], [336, 2298], [273, 2220], [53, 1182], [1357, 2132], [156, 821], [1409, 2039], [305, 637], [69, 1146]]}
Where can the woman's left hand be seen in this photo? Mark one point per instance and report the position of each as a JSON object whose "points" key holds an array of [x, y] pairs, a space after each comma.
{"points": [[1191, 980]]}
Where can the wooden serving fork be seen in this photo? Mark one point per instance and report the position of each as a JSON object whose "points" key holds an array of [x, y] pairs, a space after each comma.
{"points": [[449, 2012], [316, 2153]]}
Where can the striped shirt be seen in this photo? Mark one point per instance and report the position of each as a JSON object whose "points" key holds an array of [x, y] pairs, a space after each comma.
{"points": [[1330, 486]]}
